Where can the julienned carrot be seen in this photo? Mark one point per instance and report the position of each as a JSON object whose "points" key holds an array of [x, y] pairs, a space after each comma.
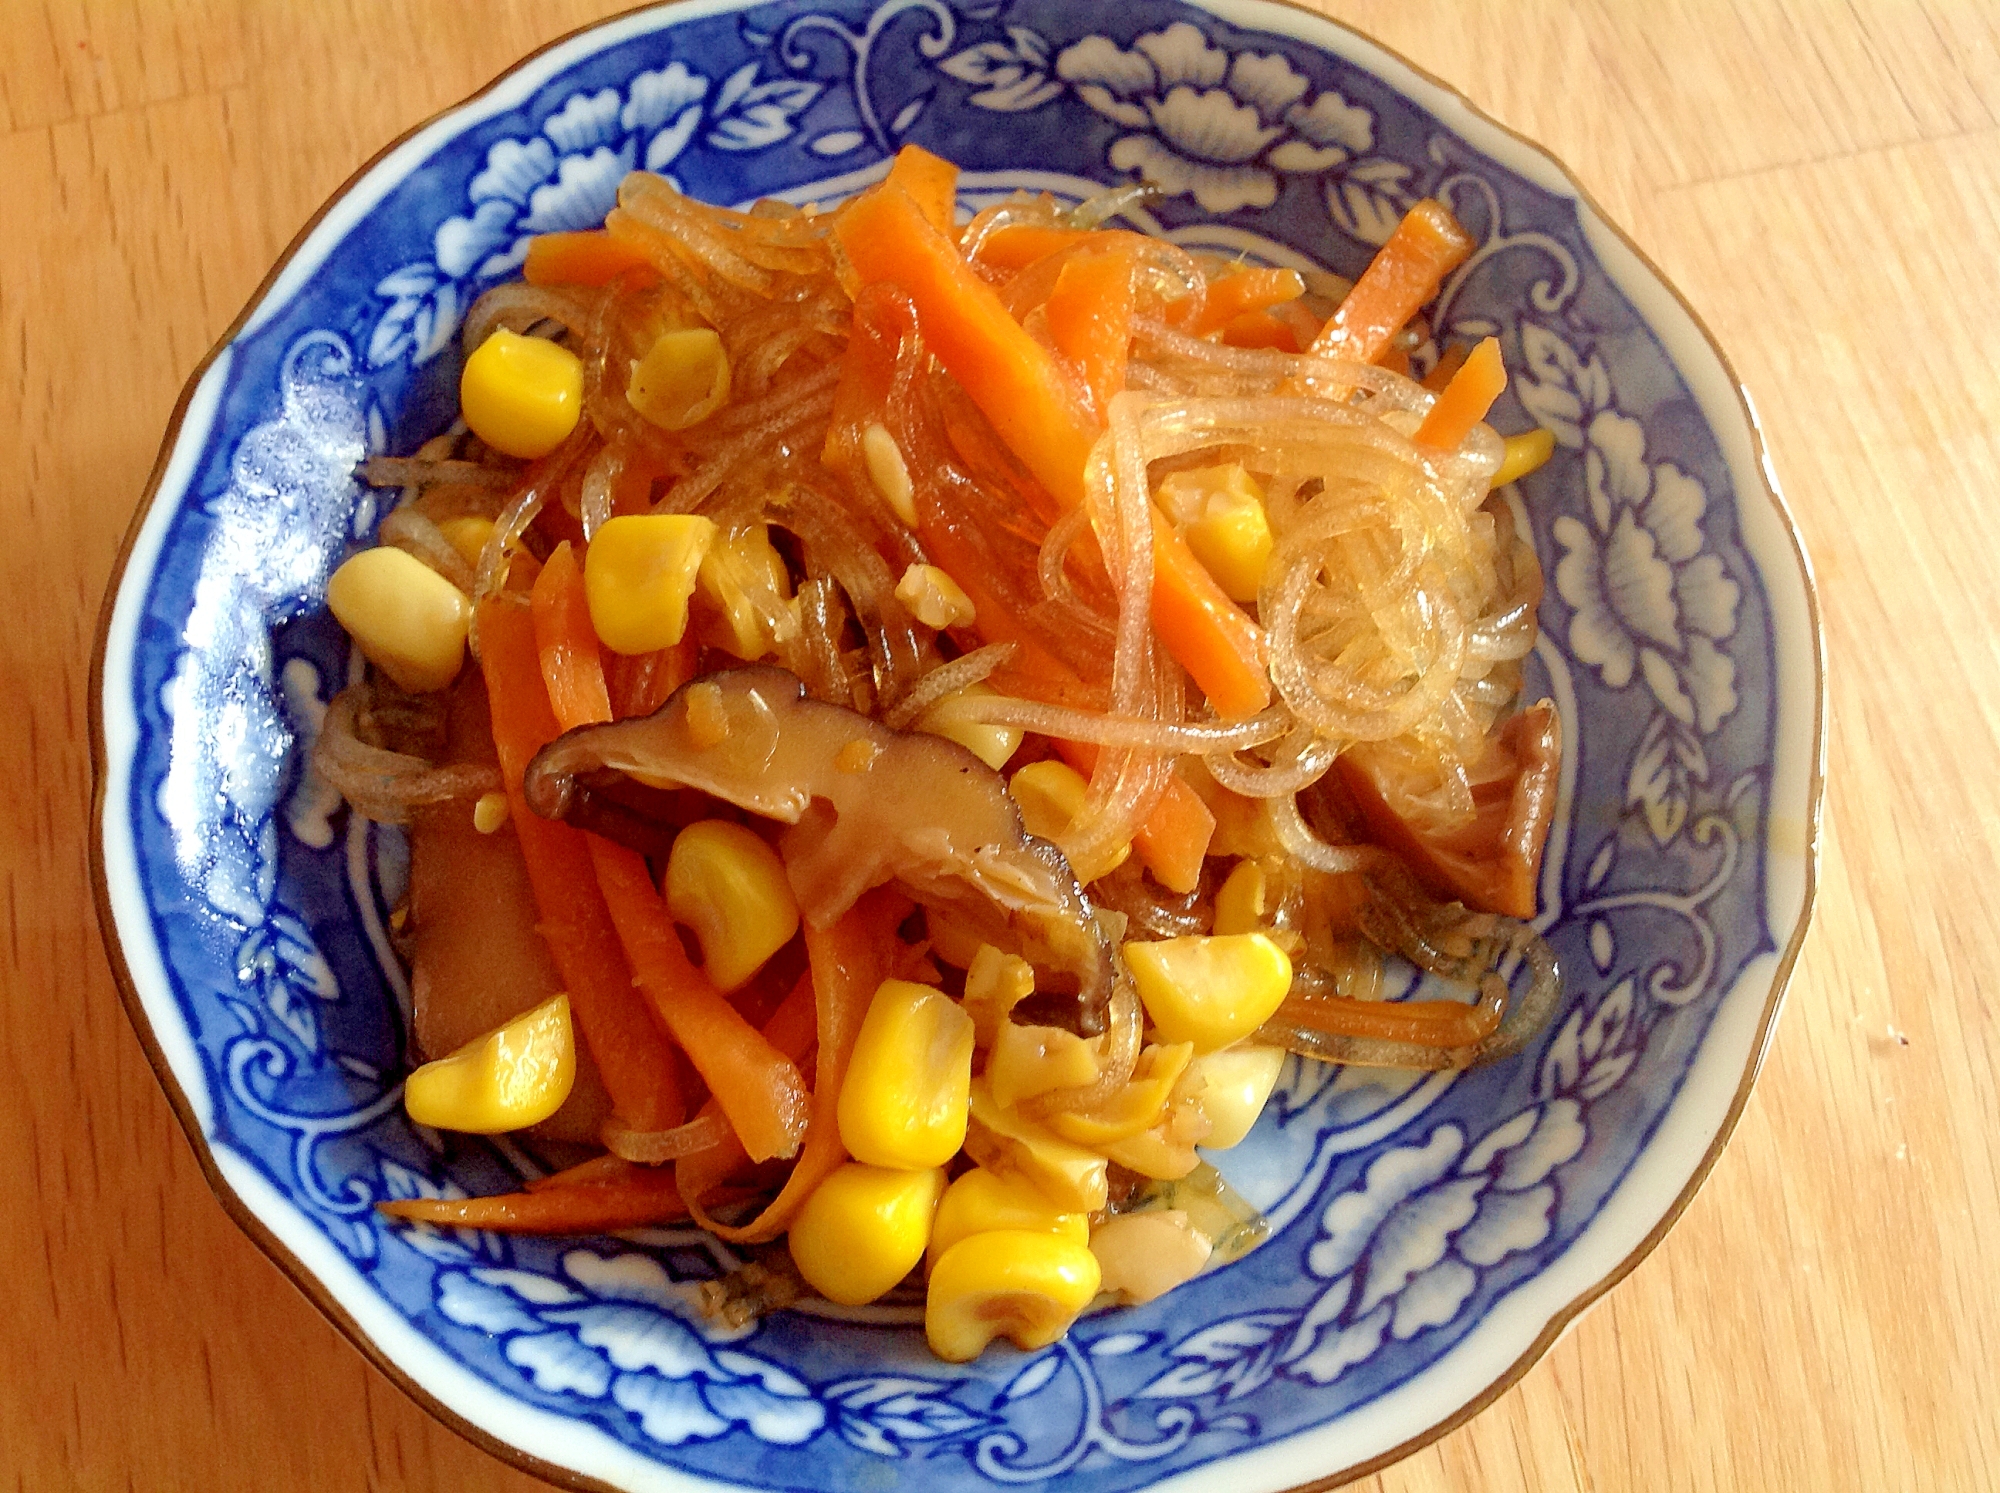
{"points": [[1090, 319], [1405, 273], [849, 960], [792, 1029], [882, 317], [1246, 290], [634, 1055], [1023, 392], [759, 1089], [572, 666], [641, 682], [1015, 381], [1019, 245], [794, 1026], [1449, 362], [590, 258], [1261, 329], [628, 1198], [1466, 399], [1207, 633], [932, 183], [1173, 841]]}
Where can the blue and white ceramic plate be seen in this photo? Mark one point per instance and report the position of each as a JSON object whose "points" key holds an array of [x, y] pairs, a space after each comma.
{"points": [[1433, 1233]]}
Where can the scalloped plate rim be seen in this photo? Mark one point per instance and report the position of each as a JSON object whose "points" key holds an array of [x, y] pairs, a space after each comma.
{"points": [[1630, 1222]]}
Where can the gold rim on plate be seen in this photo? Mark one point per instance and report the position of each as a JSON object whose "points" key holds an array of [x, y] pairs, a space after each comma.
{"points": [[322, 1297]]}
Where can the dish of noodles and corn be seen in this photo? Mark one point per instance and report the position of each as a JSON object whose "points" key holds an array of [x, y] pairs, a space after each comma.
{"points": [[950, 707]]}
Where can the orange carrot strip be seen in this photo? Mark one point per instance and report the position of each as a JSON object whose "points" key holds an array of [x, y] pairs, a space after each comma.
{"points": [[759, 1089], [572, 667], [1466, 399], [1090, 320], [1405, 272], [1210, 635], [632, 1052], [1020, 388], [1173, 841], [1020, 245], [1449, 362], [1440, 1024], [1261, 329], [628, 1199], [1246, 290], [1015, 381], [849, 960], [932, 183], [640, 683], [792, 1029], [591, 258], [1298, 316], [794, 1026]]}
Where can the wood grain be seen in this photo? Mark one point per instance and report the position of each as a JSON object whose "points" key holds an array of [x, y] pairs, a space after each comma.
{"points": [[1822, 180]]}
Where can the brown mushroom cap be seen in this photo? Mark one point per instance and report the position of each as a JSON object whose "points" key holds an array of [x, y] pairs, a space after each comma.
{"points": [[866, 805]]}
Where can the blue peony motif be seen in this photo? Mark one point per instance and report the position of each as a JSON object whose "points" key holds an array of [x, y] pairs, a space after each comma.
{"points": [[618, 1326], [1404, 1249], [1648, 599], [566, 177], [1220, 126]]}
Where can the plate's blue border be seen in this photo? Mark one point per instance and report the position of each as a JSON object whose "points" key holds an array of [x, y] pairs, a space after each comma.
{"points": [[1765, 536]]}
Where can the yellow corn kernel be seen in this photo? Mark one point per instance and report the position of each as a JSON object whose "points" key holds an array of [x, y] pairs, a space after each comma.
{"points": [[1152, 1154], [889, 472], [1239, 902], [467, 534], [1002, 1141], [951, 718], [1138, 1106], [638, 574], [1209, 991], [981, 1201], [739, 571], [903, 1102], [1242, 827], [515, 1076], [1050, 795], [730, 888], [1026, 1287], [682, 380], [489, 812], [521, 395], [994, 984], [409, 621], [1166, 1150], [1239, 1082], [1145, 1255], [1221, 513], [1523, 454], [1031, 1060], [863, 1229], [934, 598]]}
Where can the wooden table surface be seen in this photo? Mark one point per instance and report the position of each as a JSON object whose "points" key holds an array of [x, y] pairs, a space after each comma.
{"points": [[1822, 180]]}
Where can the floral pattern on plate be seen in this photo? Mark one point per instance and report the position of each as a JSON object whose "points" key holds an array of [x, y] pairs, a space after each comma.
{"points": [[1407, 1207]]}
